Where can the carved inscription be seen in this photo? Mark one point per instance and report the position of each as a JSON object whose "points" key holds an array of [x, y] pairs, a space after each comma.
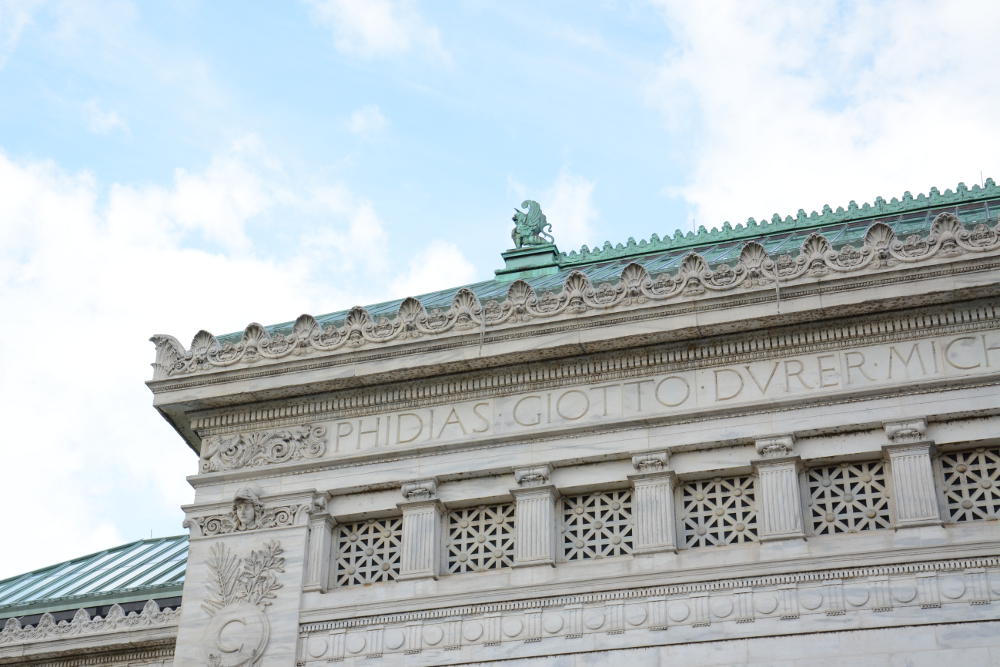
{"points": [[676, 393]]}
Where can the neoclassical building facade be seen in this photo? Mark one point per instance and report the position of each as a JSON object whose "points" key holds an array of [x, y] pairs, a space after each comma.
{"points": [[769, 443]]}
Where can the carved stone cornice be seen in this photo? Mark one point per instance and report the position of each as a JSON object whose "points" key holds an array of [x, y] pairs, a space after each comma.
{"points": [[83, 624], [636, 289], [601, 367]]}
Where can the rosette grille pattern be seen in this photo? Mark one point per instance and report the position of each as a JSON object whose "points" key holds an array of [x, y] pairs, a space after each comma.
{"points": [[597, 525], [719, 511], [848, 498], [368, 551], [971, 484], [481, 538]]}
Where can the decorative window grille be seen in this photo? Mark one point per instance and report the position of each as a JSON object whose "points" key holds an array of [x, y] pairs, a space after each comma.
{"points": [[597, 525], [481, 538], [972, 484], [719, 511], [368, 551], [848, 498]]}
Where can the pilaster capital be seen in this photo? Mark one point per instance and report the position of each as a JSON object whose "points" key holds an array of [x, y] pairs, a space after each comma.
{"points": [[533, 476], [909, 431], [535, 491], [651, 462], [775, 447], [419, 490]]}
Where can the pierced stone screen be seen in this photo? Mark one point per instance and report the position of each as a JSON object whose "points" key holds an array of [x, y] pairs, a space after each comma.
{"points": [[719, 511], [368, 551], [971, 484], [481, 538], [848, 498], [597, 525]]}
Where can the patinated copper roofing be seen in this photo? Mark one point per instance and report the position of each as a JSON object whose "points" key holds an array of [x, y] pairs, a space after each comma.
{"points": [[906, 215], [137, 571]]}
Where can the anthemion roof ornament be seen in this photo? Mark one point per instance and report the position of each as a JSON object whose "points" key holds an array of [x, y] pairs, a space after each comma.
{"points": [[530, 226]]}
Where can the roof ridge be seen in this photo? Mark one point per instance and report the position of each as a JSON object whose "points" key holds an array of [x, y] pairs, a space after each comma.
{"points": [[802, 220]]}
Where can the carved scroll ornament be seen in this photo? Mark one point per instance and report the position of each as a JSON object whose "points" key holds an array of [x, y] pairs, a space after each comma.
{"points": [[816, 258], [248, 513], [230, 452]]}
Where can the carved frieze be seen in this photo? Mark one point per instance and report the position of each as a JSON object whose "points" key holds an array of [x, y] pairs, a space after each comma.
{"points": [[240, 590], [635, 288], [242, 450], [82, 623], [919, 590], [248, 513]]}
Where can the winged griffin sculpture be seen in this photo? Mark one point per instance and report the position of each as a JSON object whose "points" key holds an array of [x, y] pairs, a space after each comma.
{"points": [[530, 226]]}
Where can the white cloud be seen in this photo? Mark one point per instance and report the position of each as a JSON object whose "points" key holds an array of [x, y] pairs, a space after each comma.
{"points": [[89, 271], [15, 15], [101, 120], [569, 206], [440, 265], [367, 121], [797, 105], [379, 28]]}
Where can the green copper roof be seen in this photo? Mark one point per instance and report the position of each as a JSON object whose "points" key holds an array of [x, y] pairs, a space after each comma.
{"points": [[753, 229], [906, 216], [140, 570]]}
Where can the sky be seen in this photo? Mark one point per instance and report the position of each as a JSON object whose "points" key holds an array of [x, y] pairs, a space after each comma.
{"points": [[175, 165]]}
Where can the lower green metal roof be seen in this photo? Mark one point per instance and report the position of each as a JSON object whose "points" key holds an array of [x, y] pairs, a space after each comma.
{"points": [[140, 570]]}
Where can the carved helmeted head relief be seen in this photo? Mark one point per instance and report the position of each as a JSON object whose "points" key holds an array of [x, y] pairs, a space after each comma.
{"points": [[247, 509]]}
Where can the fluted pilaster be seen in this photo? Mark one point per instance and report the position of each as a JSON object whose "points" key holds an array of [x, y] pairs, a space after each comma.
{"points": [[653, 503], [779, 500], [912, 473], [319, 553]]}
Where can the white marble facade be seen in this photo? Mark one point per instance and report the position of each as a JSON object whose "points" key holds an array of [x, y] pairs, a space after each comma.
{"points": [[750, 477], [802, 473]]}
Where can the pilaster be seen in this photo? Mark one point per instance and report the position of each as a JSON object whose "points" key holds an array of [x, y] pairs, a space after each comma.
{"points": [[320, 547], [259, 540], [779, 501], [421, 542], [653, 503], [909, 454], [534, 517]]}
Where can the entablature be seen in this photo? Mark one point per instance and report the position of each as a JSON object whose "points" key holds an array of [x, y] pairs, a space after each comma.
{"points": [[639, 309]]}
